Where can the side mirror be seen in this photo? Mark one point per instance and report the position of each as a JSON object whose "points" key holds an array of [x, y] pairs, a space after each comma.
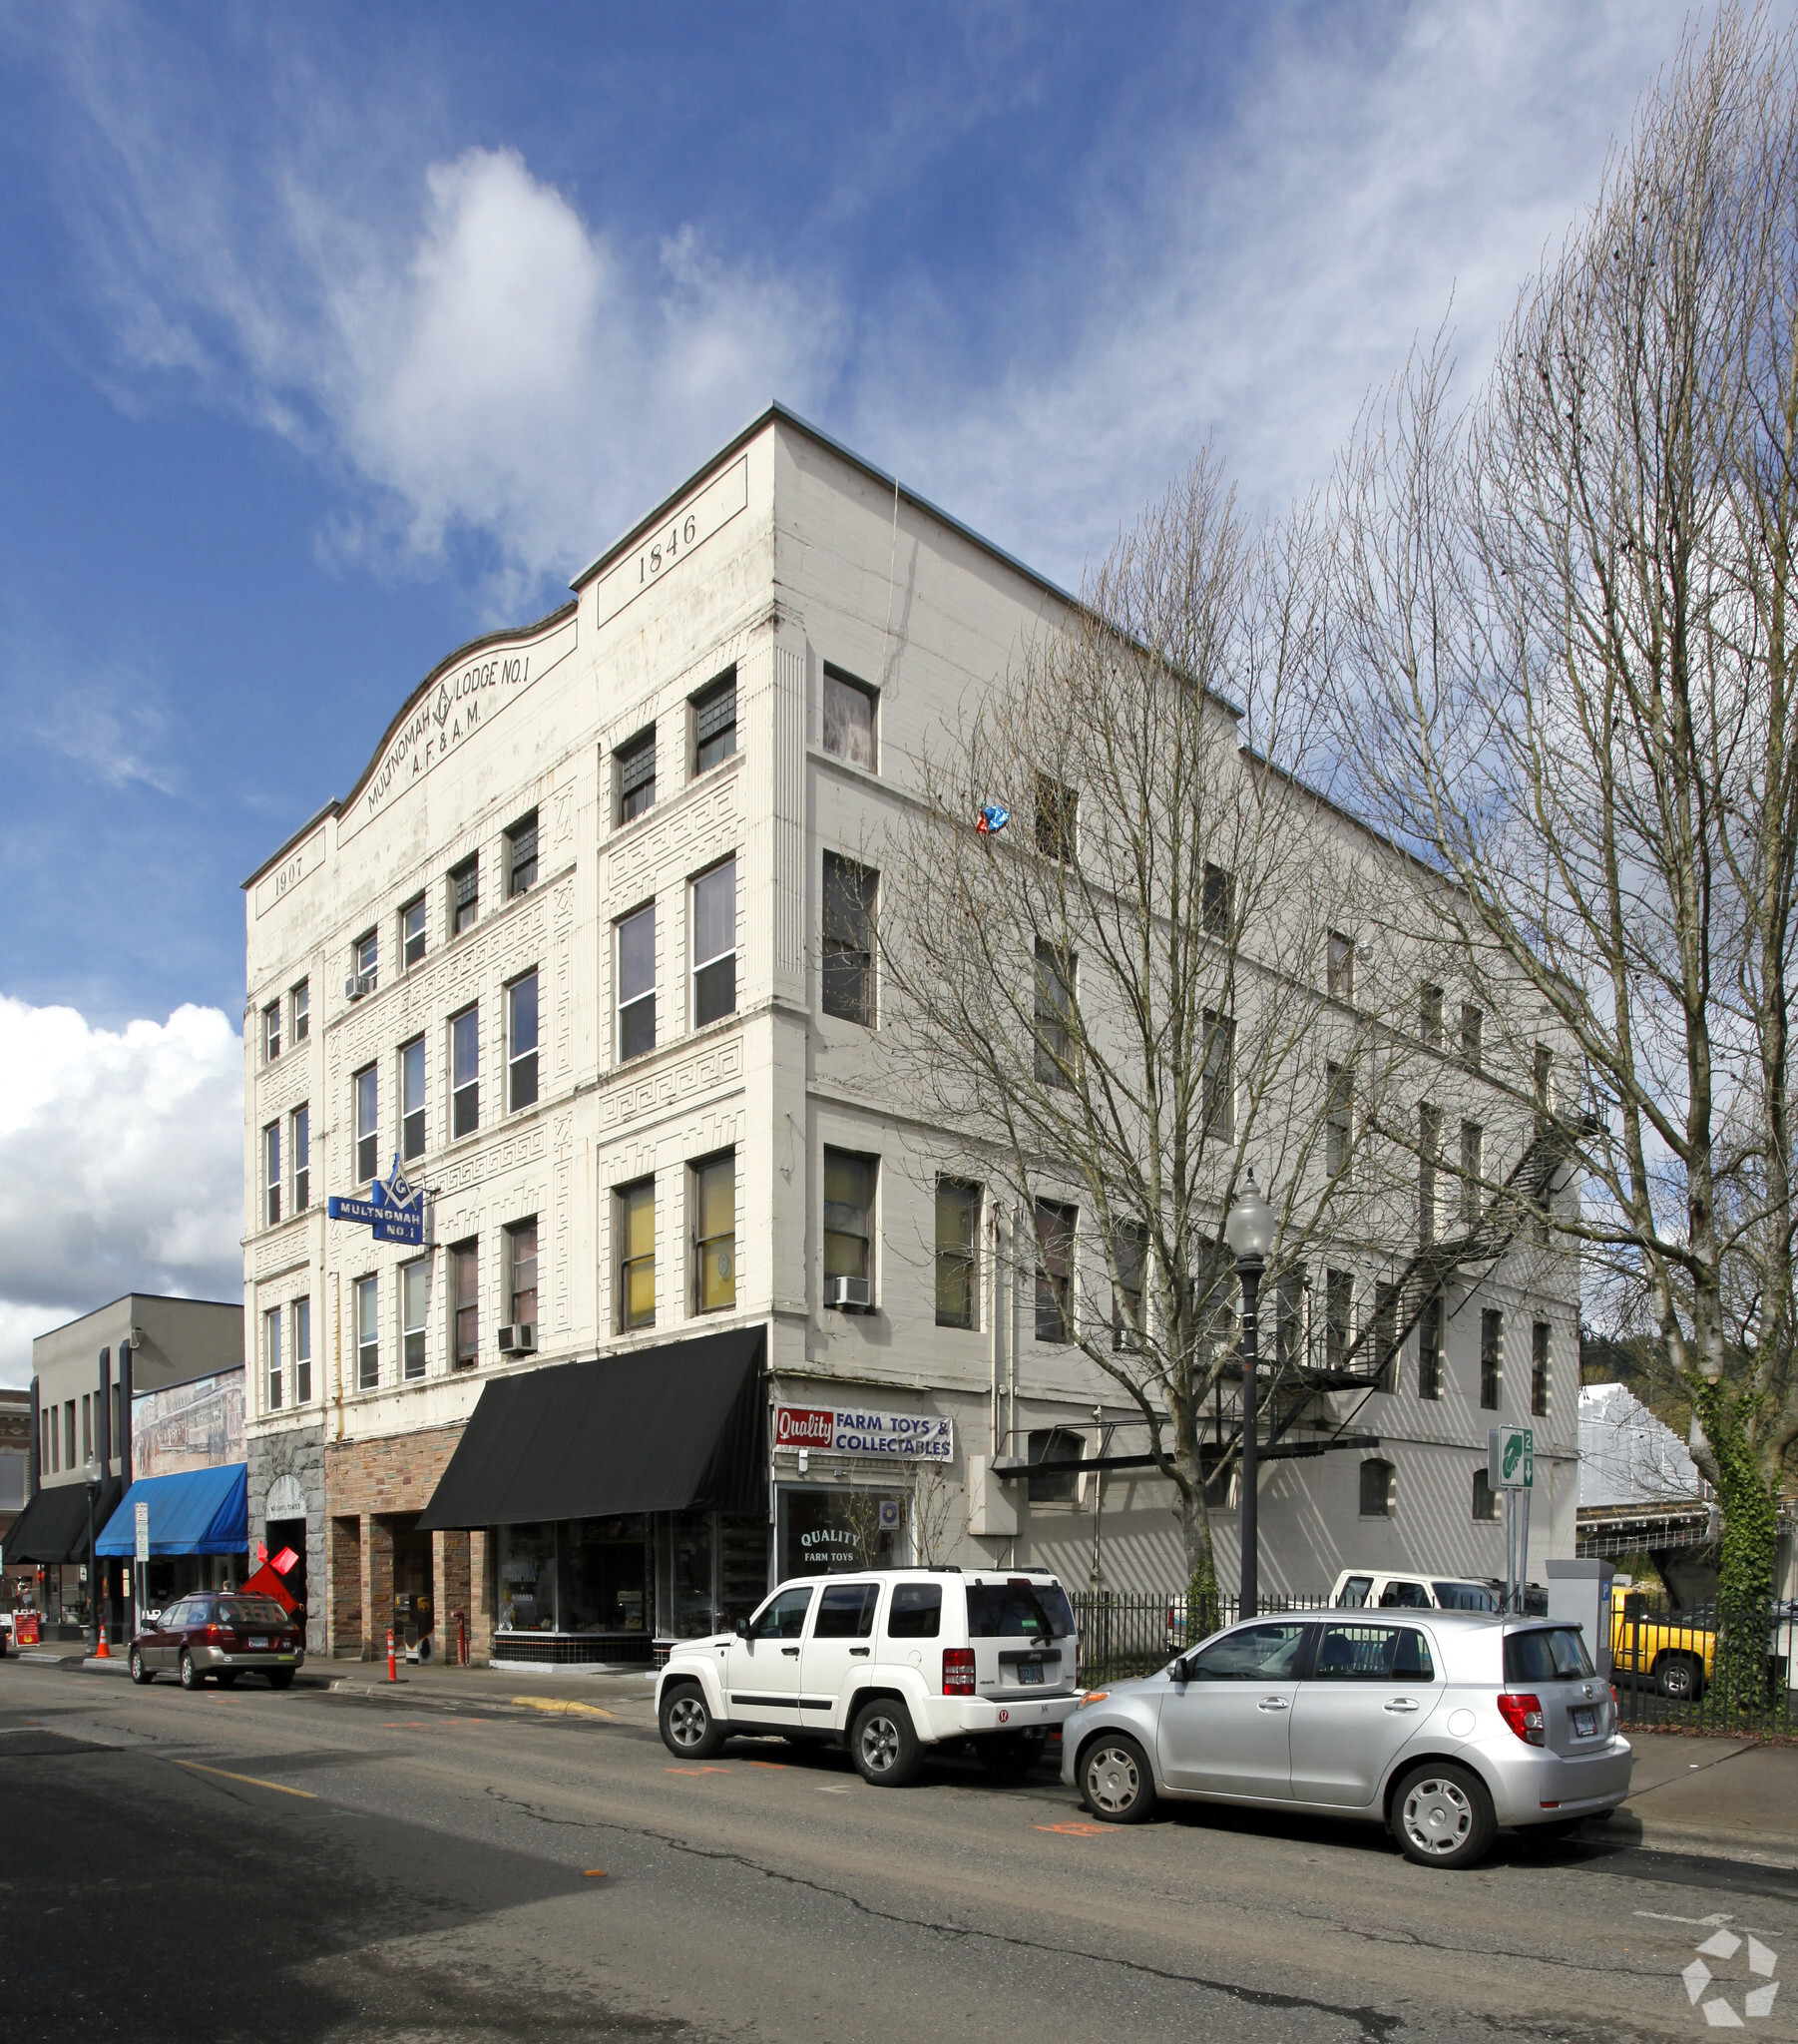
{"points": [[742, 1630]]}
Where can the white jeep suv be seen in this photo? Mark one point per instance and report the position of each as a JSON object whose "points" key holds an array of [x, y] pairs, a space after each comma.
{"points": [[893, 1663]]}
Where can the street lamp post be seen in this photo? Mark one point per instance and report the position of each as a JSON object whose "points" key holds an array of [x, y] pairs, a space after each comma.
{"points": [[93, 1474], [1249, 1231]]}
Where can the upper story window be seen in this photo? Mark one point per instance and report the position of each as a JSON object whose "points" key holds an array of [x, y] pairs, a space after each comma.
{"points": [[715, 1233], [465, 1302], [850, 897], [1219, 1079], [714, 944], [1544, 1085], [521, 1276], [521, 856], [848, 1215], [411, 1099], [1473, 1031], [367, 958], [300, 1125], [1055, 1226], [1339, 1118], [368, 1333], [1055, 1444], [637, 776], [1429, 1349], [849, 719], [714, 722], [637, 984], [414, 1313], [1057, 819], [366, 1086], [465, 1072], [1491, 1359], [465, 895], [958, 1246], [1429, 1159], [272, 1356], [1429, 1016], [1473, 1170], [1341, 967], [521, 1043], [1054, 1015], [635, 1206], [1129, 1251], [1218, 901], [271, 1173], [303, 1011], [1539, 1369], [411, 932], [272, 1032], [302, 1351]]}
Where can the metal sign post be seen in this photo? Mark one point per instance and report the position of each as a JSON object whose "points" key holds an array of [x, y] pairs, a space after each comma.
{"points": [[1510, 1468], [141, 1515]]}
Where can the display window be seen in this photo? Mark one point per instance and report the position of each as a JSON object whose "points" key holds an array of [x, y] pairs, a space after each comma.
{"points": [[827, 1531]]}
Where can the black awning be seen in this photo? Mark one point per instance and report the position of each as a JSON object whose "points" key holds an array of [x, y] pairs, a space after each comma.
{"points": [[681, 1427], [53, 1527]]}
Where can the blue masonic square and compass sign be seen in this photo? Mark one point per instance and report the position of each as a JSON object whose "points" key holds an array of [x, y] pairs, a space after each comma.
{"points": [[394, 1209]]}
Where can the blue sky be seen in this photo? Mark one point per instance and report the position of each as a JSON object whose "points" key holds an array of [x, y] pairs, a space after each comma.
{"points": [[334, 335]]}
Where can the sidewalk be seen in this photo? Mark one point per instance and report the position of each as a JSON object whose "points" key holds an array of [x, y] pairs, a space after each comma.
{"points": [[1730, 1796]]}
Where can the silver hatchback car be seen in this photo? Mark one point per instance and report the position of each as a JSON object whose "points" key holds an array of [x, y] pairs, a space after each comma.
{"points": [[1442, 1725]]}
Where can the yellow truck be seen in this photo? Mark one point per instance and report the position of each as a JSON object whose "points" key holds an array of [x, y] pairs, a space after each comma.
{"points": [[1677, 1653]]}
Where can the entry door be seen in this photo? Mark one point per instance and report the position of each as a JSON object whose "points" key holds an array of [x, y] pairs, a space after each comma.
{"points": [[1371, 1688], [1226, 1730], [841, 1641], [762, 1672]]}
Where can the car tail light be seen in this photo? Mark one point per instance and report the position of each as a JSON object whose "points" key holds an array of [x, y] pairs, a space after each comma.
{"points": [[214, 1633], [958, 1670], [1524, 1714]]}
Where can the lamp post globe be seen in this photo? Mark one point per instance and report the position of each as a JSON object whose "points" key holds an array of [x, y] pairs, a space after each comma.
{"points": [[1250, 1229]]}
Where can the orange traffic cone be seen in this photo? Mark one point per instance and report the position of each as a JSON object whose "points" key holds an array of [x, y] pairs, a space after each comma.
{"points": [[103, 1652]]}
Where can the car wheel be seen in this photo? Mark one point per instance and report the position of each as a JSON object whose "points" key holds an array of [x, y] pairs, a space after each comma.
{"points": [[1008, 1755], [281, 1678], [687, 1726], [138, 1673], [191, 1676], [1115, 1781], [883, 1745], [1676, 1676], [1442, 1817]]}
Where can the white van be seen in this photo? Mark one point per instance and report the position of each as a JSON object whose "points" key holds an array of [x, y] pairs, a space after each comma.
{"points": [[1401, 1589], [892, 1662]]}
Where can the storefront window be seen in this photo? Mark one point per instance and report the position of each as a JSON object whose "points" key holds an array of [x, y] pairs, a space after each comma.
{"points": [[692, 1585], [824, 1532], [606, 1575], [527, 1578]]}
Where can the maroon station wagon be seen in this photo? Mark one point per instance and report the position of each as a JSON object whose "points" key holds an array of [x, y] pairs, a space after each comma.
{"points": [[220, 1635]]}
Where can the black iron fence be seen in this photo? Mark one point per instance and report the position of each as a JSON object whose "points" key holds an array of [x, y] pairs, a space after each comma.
{"points": [[1135, 1631], [1708, 1668], [1703, 1668]]}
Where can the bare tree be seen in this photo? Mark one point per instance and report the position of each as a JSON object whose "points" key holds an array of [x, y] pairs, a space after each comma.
{"points": [[1564, 679], [1158, 974]]}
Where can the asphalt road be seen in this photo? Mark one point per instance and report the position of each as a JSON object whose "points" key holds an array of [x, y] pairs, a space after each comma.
{"points": [[324, 1867]]}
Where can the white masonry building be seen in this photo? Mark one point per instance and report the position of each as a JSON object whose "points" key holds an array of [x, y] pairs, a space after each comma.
{"points": [[561, 953]]}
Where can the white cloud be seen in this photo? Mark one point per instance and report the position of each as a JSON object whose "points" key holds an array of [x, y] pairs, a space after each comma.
{"points": [[1254, 282], [121, 1164]]}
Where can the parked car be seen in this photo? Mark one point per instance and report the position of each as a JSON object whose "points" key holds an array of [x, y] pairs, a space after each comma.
{"points": [[1406, 1590], [895, 1664], [217, 1634], [1442, 1725], [1679, 1653]]}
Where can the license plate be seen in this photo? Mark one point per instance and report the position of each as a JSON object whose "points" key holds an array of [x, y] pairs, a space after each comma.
{"points": [[1030, 1672], [1586, 1723], [263, 1641]]}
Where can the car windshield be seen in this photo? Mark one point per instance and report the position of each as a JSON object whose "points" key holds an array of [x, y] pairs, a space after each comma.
{"points": [[1552, 1654], [1465, 1597], [251, 1611], [1018, 1611]]}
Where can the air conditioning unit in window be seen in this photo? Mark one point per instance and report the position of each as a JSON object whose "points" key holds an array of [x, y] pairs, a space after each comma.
{"points": [[518, 1340], [358, 984], [849, 1294]]}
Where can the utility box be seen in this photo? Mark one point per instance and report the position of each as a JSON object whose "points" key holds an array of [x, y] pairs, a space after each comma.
{"points": [[992, 1503], [1579, 1593]]}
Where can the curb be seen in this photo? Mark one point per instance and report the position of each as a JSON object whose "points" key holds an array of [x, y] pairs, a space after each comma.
{"points": [[114, 1664]]}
